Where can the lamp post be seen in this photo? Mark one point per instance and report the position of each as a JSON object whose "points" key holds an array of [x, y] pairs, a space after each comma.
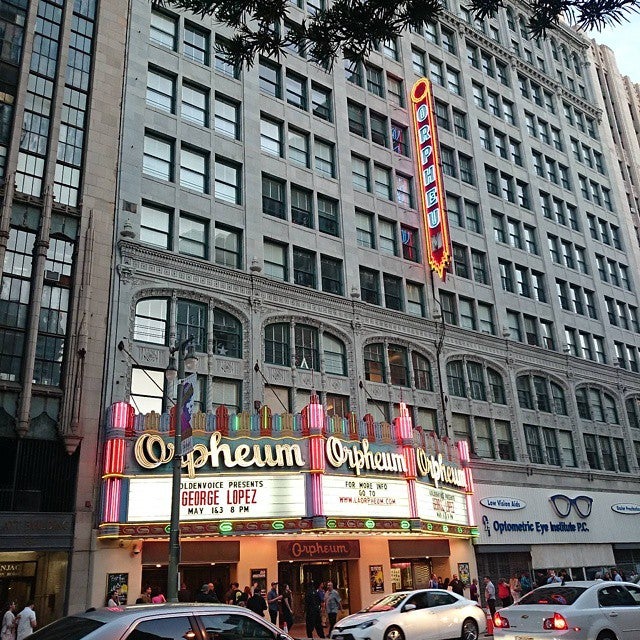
{"points": [[187, 361]]}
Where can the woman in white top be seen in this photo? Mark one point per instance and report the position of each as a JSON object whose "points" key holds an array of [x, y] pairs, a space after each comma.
{"points": [[9, 623]]}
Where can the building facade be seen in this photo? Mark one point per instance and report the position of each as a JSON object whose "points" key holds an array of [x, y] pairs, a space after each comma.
{"points": [[271, 213], [58, 154]]}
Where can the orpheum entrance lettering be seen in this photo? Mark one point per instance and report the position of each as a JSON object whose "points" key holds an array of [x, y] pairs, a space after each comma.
{"points": [[334, 549]]}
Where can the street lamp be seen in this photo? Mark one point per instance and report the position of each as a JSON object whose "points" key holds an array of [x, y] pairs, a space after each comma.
{"points": [[187, 361]]}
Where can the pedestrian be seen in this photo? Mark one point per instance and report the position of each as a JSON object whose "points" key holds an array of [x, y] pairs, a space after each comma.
{"points": [[321, 591], [457, 586], [234, 594], [504, 593], [332, 604], [257, 603], [157, 597], [244, 598], [112, 599], [433, 581], [9, 623], [552, 577], [184, 593], [474, 593], [145, 596], [616, 576], [515, 588], [445, 584], [312, 611], [490, 595], [26, 621], [273, 600], [286, 609], [525, 583], [207, 594]]}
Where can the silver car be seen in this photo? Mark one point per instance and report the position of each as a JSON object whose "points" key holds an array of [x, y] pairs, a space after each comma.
{"points": [[424, 614], [580, 610], [163, 622]]}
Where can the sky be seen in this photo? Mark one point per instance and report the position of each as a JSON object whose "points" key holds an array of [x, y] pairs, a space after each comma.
{"points": [[624, 40]]}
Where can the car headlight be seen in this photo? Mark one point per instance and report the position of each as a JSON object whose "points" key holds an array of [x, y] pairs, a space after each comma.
{"points": [[367, 624]]}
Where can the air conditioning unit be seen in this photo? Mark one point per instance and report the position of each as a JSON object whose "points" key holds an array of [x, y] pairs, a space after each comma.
{"points": [[52, 276]]}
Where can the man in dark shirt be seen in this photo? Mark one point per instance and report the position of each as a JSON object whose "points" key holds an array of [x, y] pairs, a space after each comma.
{"points": [[457, 586]]}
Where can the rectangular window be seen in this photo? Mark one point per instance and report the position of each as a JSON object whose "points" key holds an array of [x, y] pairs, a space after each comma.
{"points": [[226, 117], [196, 44], [271, 136], [155, 225], [415, 299], [163, 29], [193, 236], [364, 230], [161, 91], [193, 170], [331, 274], [324, 158], [321, 102], [392, 292], [157, 160], [301, 206], [298, 142], [273, 202], [222, 63], [379, 129], [275, 260], [304, 267], [369, 286], [356, 114], [228, 247], [360, 173], [375, 83], [269, 78], [195, 104], [387, 234], [227, 181], [328, 216], [296, 90], [382, 182]]}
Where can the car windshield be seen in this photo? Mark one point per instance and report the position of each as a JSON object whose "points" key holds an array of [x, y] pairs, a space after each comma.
{"points": [[553, 595], [387, 603], [71, 628]]}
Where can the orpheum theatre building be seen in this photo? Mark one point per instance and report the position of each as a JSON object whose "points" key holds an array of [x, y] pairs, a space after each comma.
{"points": [[373, 507]]}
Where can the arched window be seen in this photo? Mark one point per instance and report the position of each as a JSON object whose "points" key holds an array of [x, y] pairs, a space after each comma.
{"points": [[565, 56], [398, 365], [524, 28], [192, 321], [554, 50], [576, 64], [632, 405], [150, 323], [374, 369], [538, 392], [334, 354], [421, 372], [306, 345], [596, 405], [227, 335], [277, 344], [481, 383], [496, 385]]}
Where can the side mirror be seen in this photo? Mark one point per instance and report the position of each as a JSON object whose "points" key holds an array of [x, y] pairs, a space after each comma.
{"points": [[409, 607]]}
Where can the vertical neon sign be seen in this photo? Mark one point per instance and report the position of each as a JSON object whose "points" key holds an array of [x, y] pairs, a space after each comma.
{"points": [[434, 210]]}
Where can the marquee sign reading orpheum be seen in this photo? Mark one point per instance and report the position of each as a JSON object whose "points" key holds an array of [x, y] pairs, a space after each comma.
{"points": [[152, 451], [292, 481]]}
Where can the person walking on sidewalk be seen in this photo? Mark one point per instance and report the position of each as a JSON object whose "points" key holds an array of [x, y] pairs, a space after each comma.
{"points": [[332, 604], [312, 612]]}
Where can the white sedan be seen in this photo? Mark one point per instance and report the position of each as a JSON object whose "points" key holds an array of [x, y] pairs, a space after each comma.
{"points": [[581, 610], [425, 614]]}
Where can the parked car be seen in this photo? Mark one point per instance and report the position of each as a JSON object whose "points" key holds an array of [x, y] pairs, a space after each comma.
{"points": [[581, 610], [163, 622], [423, 614]]}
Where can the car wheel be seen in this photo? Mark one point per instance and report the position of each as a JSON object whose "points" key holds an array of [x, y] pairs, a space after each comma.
{"points": [[393, 633], [469, 630], [607, 635]]}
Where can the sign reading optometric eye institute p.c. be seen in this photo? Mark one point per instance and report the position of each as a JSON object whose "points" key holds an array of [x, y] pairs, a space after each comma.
{"points": [[431, 196], [545, 516]]}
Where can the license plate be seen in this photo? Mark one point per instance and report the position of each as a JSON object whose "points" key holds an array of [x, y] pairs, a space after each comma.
{"points": [[523, 638]]}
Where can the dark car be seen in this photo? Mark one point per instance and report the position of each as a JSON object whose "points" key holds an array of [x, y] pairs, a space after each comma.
{"points": [[163, 622]]}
